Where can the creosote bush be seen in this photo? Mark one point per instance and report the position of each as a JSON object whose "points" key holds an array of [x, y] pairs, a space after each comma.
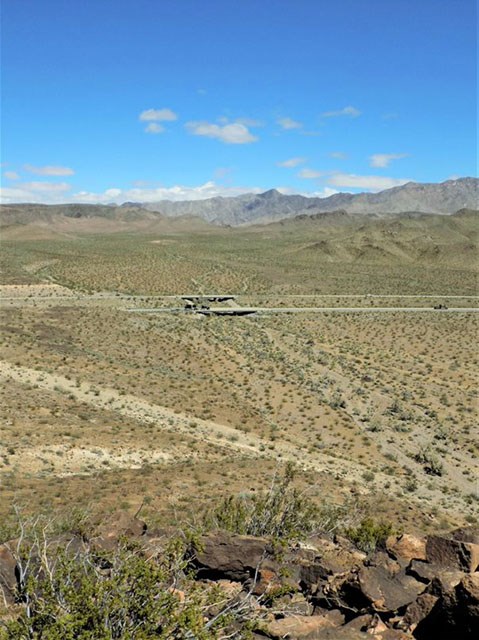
{"points": [[369, 535], [283, 512], [432, 465], [90, 595]]}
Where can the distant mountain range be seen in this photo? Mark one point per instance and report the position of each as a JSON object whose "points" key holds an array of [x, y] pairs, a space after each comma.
{"points": [[444, 198]]}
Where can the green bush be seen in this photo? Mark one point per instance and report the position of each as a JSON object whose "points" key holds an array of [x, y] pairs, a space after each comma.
{"points": [[283, 512], [432, 465], [115, 596], [369, 535]]}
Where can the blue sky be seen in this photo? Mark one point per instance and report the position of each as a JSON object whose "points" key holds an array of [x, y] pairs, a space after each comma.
{"points": [[115, 100]]}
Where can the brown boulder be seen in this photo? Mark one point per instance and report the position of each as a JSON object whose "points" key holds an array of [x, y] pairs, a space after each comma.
{"points": [[372, 626], [417, 611], [8, 580], [119, 525], [360, 623], [342, 592], [386, 591], [296, 604], [455, 614], [466, 534], [234, 557], [335, 616], [297, 627], [345, 633], [405, 548], [390, 634], [330, 559], [310, 574], [341, 553], [462, 606], [453, 554], [440, 580]]}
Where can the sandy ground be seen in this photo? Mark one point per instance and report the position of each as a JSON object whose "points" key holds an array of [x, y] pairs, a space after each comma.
{"points": [[130, 406], [34, 290], [62, 459], [66, 459]]}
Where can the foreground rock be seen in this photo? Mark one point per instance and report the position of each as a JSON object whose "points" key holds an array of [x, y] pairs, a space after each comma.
{"points": [[8, 580], [405, 548], [222, 555], [299, 627], [118, 527], [454, 615], [413, 588], [453, 554]]}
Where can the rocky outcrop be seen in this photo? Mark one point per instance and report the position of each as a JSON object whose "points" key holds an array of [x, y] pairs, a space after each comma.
{"points": [[325, 589], [415, 588]]}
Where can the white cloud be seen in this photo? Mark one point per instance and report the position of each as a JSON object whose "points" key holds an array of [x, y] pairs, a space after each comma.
{"points": [[49, 193], [154, 127], [45, 187], [11, 175], [310, 174], [349, 111], [384, 159], [324, 193], [291, 163], [289, 123], [41, 192], [339, 155], [158, 115], [16, 194], [233, 133], [371, 183], [178, 192], [49, 170], [109, 196]]}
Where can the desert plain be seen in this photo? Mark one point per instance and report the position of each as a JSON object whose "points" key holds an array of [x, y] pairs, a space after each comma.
{"points": [[359, 366]]}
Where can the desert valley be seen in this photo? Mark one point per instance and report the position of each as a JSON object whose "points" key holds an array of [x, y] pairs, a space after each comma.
{"points": [[344, 347]]}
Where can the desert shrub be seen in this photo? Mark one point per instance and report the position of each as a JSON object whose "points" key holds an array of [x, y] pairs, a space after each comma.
{"points": [[110, 596], [283, 512], [432, 465], [369, 534]]}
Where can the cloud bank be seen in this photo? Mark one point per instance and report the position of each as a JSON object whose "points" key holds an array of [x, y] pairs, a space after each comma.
{"points": [[61, 193]]}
